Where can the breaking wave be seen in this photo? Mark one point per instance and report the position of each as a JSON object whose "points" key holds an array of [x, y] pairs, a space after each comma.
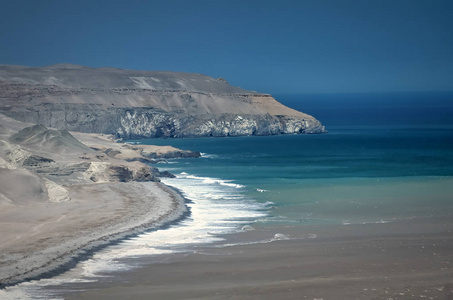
{"points": [[217, 207]]}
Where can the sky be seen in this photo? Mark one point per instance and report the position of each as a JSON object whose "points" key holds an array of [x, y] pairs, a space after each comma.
{"points": [[277, 47]]}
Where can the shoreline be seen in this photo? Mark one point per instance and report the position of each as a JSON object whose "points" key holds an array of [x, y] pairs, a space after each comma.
{"points": [[372, 261], [64, 196], [56, 259]]}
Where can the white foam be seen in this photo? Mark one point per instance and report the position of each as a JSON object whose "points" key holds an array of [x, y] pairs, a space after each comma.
{"points": [[349, 222], [207, 155], [210, 180], [217, 207], [377, 222], [34, 289], [280, 237], [247, 228]]}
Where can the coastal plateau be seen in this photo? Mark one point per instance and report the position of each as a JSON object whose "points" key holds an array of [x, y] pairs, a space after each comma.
{"points": [[143, 104]]}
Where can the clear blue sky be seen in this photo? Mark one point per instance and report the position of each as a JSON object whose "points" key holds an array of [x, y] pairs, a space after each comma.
{"points": [[269, 46]]}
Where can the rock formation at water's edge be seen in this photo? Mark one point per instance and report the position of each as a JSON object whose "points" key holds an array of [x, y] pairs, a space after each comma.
{"points": [[137, 104]]}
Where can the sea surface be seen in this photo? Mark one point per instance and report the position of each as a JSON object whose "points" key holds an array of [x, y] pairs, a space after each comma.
{"points": [[359, 172]]}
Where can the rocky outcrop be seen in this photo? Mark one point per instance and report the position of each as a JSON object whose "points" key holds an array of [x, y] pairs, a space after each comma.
{"points": [[70, 168], [149, 123], [137, 104], [163, 152]]}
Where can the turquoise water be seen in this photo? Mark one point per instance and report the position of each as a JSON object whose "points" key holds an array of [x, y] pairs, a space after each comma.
{"points": [[343, 152], [350, 175]]}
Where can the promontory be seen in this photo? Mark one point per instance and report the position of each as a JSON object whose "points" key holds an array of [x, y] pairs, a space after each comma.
{"points": [[143, 104]]}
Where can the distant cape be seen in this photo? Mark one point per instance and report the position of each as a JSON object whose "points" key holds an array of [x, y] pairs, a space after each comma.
{"points": [[143, 104]]}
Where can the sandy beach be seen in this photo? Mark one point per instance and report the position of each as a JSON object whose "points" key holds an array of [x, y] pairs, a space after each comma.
{"points": [[39, 238], [61, 199], [403, 260]]}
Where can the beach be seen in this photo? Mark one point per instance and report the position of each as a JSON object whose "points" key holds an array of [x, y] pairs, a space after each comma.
{"points": [[44, 239], [62, 200], [404, 260]]}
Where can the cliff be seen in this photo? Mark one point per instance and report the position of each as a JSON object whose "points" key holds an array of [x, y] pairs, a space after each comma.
{"points": [[133, 104]]}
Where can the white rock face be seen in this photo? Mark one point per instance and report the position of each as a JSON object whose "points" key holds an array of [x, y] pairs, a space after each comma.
{"points": [[97, 171], [13, 155], [145, 124], [56, 192]]}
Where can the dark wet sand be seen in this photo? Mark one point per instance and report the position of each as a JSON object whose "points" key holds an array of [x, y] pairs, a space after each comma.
{"points": [[410, 259]]}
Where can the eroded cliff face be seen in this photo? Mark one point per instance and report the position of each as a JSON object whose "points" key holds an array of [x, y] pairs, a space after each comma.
{"points": [[143, 123], [149, 123], [135, 104]]}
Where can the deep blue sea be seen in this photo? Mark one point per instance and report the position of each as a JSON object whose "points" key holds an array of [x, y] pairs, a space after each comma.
{"points": [[395, 109], [386, 158]]}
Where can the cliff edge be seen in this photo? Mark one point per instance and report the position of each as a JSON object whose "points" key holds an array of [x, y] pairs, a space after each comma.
{"points": [[135, 104]]}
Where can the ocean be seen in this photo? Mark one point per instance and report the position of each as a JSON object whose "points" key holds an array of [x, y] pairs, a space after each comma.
{"points": [[371, 167]]}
